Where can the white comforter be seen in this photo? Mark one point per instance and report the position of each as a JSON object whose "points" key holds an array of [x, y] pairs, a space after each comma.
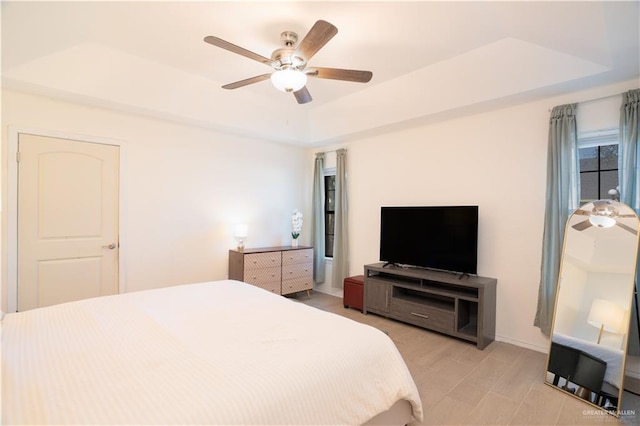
{"points": [[222, 352], [612, 356]]}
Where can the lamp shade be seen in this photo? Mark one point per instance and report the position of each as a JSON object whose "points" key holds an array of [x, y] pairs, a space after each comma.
{"points": [[606, 315], [288, 80], [241, 230]]}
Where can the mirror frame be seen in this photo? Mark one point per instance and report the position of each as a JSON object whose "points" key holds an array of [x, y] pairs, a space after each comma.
{"points": [[627, 319]]}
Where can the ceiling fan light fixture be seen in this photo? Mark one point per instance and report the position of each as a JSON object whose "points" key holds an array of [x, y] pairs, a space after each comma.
{"points": [[288, 80], [602, 221]]}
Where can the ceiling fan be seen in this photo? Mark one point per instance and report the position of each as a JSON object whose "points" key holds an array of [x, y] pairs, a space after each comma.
{"points": [[289, 63], [603, 215]]}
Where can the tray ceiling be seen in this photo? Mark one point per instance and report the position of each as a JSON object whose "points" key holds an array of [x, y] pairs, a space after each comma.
{"points": [[429, 59]]}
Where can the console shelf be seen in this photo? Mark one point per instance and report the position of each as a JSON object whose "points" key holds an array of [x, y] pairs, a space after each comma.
{"points": [[462, 306]]}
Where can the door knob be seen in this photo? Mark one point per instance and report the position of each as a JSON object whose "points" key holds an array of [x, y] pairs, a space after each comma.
{"points": [[110, 246]]}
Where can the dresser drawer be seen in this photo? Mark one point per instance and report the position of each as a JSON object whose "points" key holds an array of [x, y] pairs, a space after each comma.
{"points": [[281, 270], [262, 276], [297, 271], [273, 286], [295, 285], [262, 260], [422, 315], [292, 257]]}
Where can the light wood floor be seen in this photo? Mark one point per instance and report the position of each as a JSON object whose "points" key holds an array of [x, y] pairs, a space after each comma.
{"points": [[500, 385]]}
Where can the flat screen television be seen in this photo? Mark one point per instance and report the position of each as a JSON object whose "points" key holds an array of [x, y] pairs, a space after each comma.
{"points": [[435, 237]]}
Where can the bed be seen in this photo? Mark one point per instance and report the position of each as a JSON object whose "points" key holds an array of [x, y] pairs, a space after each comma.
{"points": [[611, 356], [221, 352]]}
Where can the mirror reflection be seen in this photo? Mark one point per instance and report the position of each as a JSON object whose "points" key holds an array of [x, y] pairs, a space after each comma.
{"points": [[593, 303]]}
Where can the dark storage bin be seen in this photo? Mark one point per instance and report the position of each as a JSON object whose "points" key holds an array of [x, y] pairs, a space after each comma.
{"points": [[353, 292]]}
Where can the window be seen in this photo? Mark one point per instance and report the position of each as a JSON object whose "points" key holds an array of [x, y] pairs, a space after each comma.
{"points": [[329, 212], [598, 154]]}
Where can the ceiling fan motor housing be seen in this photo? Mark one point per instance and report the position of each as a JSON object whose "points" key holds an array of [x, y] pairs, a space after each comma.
{"points": [[285, 58], [604, 208]]}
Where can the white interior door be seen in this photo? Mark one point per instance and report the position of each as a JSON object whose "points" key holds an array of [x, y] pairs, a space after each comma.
{"points": [[67, 220]]}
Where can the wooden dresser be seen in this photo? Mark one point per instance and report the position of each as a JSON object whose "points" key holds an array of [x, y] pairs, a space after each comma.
{"points": [[281, 270]]}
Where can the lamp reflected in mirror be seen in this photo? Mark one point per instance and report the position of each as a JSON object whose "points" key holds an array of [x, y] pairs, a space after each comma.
{"points": [[593, 303], [606, 315]]}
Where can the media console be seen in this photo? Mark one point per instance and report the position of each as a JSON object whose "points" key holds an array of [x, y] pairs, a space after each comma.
{"points": [[462, 306]]}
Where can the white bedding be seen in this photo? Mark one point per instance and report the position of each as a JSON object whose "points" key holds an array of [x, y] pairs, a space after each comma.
{"points": [[222, 352], [612, 356]]}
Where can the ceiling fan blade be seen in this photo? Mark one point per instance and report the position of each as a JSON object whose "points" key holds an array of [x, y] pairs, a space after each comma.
{"points": [[303, 96], [627, 228], [357, 76], [318, 36], [582, 225], [582, 213], [246, 81], [237, 49]]}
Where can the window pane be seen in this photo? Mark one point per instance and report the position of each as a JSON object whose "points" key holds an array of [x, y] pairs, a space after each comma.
{"points": [[601, 164], [329, 207], [588, 159], [330, 201], [330, 183], [608, 180], [589, 186], [328, 248], [328, 223], [609, 157]]}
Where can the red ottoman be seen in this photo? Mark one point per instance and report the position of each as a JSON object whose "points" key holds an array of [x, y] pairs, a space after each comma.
{"points": [[353, 292]]}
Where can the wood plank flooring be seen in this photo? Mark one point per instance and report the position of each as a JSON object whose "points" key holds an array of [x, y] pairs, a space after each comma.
{"points": [[461, 385]]}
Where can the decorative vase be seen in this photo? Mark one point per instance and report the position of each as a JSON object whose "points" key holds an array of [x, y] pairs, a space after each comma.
{"points": [[294, 242]]}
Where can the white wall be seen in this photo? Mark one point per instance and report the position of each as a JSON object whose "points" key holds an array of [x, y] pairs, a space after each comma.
{"points": [[183, 189], [496, 160]]}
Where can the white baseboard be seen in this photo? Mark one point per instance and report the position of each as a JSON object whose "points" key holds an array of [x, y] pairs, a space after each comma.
{"points": [[632, 374], [326, 289], [632, 383], [544, 349]]}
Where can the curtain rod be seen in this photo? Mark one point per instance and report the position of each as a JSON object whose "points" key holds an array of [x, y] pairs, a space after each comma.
{"points": [[332, 150], [594, 100]]}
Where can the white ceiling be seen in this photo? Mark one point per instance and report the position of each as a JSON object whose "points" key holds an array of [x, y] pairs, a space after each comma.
{"points": [[429, 59]]}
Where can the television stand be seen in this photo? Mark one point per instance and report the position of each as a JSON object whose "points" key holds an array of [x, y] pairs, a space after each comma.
{"points": [[462, 306]]}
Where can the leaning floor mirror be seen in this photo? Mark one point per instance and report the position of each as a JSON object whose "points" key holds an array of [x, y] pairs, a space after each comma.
{"points": [[593, 304]]}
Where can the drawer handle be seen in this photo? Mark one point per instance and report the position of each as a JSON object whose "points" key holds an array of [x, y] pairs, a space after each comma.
{"points": [[420, 315]]}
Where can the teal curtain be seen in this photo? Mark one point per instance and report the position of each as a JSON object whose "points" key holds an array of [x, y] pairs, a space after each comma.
{"points": [[562, 197], [629, 178], [317, 220], [340, 231]]}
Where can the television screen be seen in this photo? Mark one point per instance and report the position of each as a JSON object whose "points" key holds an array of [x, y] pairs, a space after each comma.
{"points": [[439, 237]]}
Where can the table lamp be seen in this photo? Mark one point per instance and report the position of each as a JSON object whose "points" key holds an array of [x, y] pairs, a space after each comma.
{"points": [[606, 315], [241, 234]]}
